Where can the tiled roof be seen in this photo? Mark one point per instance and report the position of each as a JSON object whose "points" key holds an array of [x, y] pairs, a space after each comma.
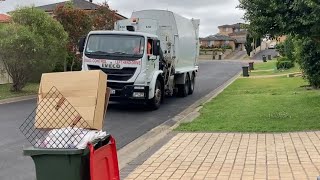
{"points": [[237, 26], [4, 18], [240, 40], [239, 33], [218, 37], [79, 4]]}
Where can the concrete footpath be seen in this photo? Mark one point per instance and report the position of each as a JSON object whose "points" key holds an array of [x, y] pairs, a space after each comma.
{"points": [[234, 156]]}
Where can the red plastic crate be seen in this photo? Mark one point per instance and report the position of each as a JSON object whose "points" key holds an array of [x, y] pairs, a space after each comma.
{"points": [[104, 162]]}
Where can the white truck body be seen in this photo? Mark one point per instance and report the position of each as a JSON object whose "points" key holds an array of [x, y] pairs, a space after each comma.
{"points": [[137, 77], [171, 28]]}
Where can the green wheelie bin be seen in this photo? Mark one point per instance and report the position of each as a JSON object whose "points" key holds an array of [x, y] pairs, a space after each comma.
{"points": [[60, 164]]}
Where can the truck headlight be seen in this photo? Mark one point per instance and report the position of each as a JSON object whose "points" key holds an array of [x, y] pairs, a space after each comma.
{"points": [[138, 94], [139, 87]]}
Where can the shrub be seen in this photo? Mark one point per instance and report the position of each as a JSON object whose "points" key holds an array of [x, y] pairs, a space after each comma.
{"points": [[284, 63], [31, 45], [280, 49], [309, 60], [226, 47], [19, 49]]}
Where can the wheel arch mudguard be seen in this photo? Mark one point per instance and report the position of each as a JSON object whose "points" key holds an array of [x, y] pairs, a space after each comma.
{"points": [[156, 75]]}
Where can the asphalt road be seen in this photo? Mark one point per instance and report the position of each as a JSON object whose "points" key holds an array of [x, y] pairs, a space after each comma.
{"points": [[266, 52], [125, 122]]}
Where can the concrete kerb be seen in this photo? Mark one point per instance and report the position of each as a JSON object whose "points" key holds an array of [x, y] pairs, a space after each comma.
{"points": [[146, 141], [17, 99]]}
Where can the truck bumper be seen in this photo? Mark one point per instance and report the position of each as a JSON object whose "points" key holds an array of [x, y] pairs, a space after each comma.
{"points": [[128, 92]]}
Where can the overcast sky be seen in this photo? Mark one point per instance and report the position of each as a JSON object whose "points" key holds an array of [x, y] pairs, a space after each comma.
{"points": [[211, 12]]}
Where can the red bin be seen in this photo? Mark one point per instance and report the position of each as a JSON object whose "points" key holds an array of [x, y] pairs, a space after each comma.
{"points": [[104, 162]]}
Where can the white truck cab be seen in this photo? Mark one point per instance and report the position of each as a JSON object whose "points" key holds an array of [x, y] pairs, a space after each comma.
{"points": [[151, 55]]}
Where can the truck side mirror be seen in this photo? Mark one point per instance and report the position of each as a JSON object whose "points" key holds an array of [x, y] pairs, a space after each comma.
{"points": [[156, 47], [82, 41]]}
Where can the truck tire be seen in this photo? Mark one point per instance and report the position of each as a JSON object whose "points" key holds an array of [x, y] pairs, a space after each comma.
{"points": [[183, 89], [192, 83], [155, 102]]}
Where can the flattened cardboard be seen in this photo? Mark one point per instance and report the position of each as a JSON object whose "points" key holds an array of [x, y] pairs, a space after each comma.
{"points": [[86, 91]]}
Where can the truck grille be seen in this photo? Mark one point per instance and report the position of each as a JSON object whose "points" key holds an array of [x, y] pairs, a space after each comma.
{"points": [[118, 86], [116, 74]]}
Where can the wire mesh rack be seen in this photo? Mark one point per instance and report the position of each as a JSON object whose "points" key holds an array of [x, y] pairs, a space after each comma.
{"points": [[54, 123]]}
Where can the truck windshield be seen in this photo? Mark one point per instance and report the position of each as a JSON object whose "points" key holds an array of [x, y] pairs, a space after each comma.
{"points": [[115, 46]]}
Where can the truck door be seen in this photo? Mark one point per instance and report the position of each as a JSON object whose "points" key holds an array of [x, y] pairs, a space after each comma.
{"points": [[152, 64]]}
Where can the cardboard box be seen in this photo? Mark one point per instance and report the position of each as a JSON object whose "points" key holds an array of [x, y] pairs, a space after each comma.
{"points": [[86, 91]]}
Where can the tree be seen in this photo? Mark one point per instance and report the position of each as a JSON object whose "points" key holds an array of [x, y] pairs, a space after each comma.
{"points": [[104, 18], [77, 23], [41, 29], [289, 48], [248, 44], [50, 31], [299, 18], [286, 48], [20, 50], [309, 61]]}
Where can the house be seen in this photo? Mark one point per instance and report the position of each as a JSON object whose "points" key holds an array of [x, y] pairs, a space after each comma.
{"points": [[240, 38], [78, 4], [4, 18], [228, 29], [217, 40], [4, 76], [235, 31]]}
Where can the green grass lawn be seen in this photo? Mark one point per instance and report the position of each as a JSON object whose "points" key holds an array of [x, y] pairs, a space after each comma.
{"points": [[275, 71], [269, 68], [265, 66], [30, 89], [277, 104]]}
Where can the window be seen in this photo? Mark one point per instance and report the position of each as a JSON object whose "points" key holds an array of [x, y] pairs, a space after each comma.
{"points": [[115, 45], [149, 46]]}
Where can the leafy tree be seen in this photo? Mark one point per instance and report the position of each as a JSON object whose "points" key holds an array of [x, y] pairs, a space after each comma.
{"points": [[77, 23], [31, 44], [258, 41], [50, 31], [104, 18], [20, 50], [289, 48], [280, 49], [248, 44], [299, 18], [309, 61]]}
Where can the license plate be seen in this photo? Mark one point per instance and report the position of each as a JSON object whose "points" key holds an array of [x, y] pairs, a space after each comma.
{"points": [[113, 91]]}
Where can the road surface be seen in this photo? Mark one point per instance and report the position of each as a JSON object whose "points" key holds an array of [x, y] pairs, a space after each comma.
{"points": [[266, 52], [125, 122]]}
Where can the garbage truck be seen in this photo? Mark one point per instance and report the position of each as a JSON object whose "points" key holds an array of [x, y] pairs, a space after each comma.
{"points": [[147, 57]]}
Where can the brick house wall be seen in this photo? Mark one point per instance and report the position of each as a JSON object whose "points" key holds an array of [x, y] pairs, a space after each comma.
{"points": [[225, 30]]}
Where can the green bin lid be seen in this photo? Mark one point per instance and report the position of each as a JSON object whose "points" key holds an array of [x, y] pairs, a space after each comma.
{"points": [[31, 151]]}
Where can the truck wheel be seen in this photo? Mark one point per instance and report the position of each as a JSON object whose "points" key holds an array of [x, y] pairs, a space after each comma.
{"points": [[192, 83], [183, 89], [155, 102]]}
